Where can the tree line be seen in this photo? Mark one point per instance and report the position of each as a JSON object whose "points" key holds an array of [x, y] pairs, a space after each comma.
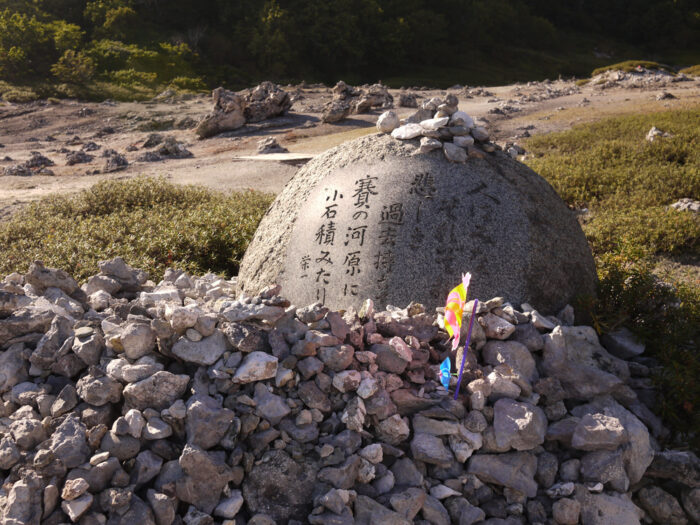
{"points": [[193, 45]]}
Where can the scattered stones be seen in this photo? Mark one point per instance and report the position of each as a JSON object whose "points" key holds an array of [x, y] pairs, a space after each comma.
{"points": [[274, 414]]}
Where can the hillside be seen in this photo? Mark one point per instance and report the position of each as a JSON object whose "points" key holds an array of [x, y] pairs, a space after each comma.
{"points": [[129, 49]]}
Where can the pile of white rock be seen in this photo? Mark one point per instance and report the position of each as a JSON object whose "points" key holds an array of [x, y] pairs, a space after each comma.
{"points": [[124, 402], [439, 124]]}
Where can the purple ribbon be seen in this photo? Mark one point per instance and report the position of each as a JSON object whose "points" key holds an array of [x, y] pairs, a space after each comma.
{"points": [[466, 346]]}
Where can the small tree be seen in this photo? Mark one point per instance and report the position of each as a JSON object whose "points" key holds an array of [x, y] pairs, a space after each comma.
{"points": [[74, 67]]}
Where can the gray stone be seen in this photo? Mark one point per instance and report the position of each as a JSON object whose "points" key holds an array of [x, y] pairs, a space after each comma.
{"points": [[13, 367], [547, 466], [598, 432], [390, 358], [680, 466], [515, 470], [27, 432], [406, 474], [121, 447], [42, 278], [566, 511], [661, 506], [607, 509], [77, 507], [369, 512], [516, 356], [431, 449], [528, 335], [207, 422], [137, 340], [158, 391], [146, 467], [163, 507], [534, 226], [408, 503], [9, 455], [622, 343], [393, 430], [205, 352], [206, 475], [691, 503], [637, 452], [569, 470], [336, 358], [270, 406], [434, 512], [454, 153], [99, 391], [229, 507], [69, 442], [607, 467], [573, 355], [23, 503], [521, 426], [281, 487]]}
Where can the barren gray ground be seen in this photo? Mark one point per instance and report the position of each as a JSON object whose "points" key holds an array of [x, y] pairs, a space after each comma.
{"points": [[218, 162]]}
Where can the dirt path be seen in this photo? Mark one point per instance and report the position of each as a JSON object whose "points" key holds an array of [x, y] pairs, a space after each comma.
{"points": [[51, 129]]}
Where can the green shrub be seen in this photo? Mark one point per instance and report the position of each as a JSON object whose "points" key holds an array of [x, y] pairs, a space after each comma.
{"points": [[693, 71], [188, 84], [625, 181], [629, 65], [74, 67], [17, 94], [129, 77], [151, 223], [667, 320]]}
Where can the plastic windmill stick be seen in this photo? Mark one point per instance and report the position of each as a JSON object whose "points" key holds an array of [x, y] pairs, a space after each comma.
{"points": [[466, 346]]}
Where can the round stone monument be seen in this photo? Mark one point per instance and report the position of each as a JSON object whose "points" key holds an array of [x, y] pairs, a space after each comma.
{"points": [[370, 219]]}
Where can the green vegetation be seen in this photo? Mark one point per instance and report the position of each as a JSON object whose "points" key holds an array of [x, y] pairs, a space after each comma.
{"points": [[629, 65], [132, 48], [691, 71], [151, 223], [626, 183]]}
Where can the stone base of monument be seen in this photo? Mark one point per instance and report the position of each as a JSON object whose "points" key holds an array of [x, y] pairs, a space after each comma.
{"points": [[370, 219]]}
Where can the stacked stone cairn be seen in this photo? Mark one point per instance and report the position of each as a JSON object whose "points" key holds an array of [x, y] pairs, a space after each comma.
{"points": [[126, 402], [439, 124]]}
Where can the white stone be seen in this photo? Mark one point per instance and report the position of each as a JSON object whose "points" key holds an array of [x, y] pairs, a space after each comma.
{"points": [[77, 507], [460, 118], [434, 123], [387, 122], [407, 131], [256, 366]]}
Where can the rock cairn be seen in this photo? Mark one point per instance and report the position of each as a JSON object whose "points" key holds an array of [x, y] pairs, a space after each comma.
{"points": [[125, 402], [348, 100], [232, 110], [439, 124]]}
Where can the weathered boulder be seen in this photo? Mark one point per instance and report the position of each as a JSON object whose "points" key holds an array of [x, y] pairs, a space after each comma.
{"points": [[227, 114], [368, 220], [231, 110]]}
